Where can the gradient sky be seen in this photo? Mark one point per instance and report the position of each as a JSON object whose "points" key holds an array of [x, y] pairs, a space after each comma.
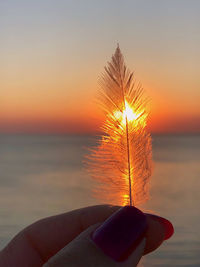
{"points": [[52, 53]]}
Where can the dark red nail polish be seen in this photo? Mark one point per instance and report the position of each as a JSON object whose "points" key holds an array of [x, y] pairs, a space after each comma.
{"points": [[169, 229], [120, 234]]}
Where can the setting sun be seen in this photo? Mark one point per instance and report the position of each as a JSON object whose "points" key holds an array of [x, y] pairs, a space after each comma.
{"points": [[128, 113]]}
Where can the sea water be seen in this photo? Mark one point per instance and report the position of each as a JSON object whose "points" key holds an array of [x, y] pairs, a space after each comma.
{"points": [[42, 175]]}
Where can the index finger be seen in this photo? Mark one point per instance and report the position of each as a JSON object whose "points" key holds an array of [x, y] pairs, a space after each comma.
{"points": [[41, 240]]}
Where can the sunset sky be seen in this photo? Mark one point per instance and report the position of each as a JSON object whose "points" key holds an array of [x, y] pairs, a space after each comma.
{"points": [[52, 53]]}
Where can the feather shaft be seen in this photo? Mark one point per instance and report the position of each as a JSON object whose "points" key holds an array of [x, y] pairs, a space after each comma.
{"points": [[129, 164], [127, 143]]}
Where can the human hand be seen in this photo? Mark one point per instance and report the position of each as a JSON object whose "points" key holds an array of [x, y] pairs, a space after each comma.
{"points": [[71, 239]]}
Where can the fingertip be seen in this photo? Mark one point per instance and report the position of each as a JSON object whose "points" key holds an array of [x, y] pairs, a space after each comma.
{"points": [[167, 225], [159, 230]]}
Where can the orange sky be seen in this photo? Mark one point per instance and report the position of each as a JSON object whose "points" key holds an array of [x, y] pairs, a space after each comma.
{"points": [[52, 56]]}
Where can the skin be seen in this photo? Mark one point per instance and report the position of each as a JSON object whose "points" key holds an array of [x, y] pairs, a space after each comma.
{"points": [[64, 240]]}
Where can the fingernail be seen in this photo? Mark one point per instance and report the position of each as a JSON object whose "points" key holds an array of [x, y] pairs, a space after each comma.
{"points": [[121, 233], [169, 229]]}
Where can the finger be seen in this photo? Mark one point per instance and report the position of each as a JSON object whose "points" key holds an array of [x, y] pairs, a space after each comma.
{"points": [[120, 241], [159, 229], [38, 242], [82, 251]]}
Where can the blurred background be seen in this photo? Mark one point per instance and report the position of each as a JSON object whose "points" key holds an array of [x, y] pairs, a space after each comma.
{"points": [[51, 56]]}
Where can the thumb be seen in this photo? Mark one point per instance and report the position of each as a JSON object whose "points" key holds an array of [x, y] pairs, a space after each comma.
{"points": [[82, 251], [120, 241]]}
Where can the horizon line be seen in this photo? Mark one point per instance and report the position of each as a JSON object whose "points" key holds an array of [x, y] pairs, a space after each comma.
{"points": [[91, 133]]}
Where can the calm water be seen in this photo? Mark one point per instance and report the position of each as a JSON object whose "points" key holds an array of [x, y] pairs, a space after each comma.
{"points": [[42, 176]]}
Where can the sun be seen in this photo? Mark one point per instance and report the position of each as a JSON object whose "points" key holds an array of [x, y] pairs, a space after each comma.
{"points": [[128, 113]]}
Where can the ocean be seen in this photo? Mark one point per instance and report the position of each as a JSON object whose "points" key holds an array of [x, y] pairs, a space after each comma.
{"points": [[42, 175]]}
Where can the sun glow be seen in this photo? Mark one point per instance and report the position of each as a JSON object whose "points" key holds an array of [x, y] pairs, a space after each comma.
{"points": [[125, 199], [128, 113]]}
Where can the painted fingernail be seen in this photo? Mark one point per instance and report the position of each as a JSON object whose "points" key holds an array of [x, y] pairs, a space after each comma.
{"points": [[169, 229], [121, 233]]}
